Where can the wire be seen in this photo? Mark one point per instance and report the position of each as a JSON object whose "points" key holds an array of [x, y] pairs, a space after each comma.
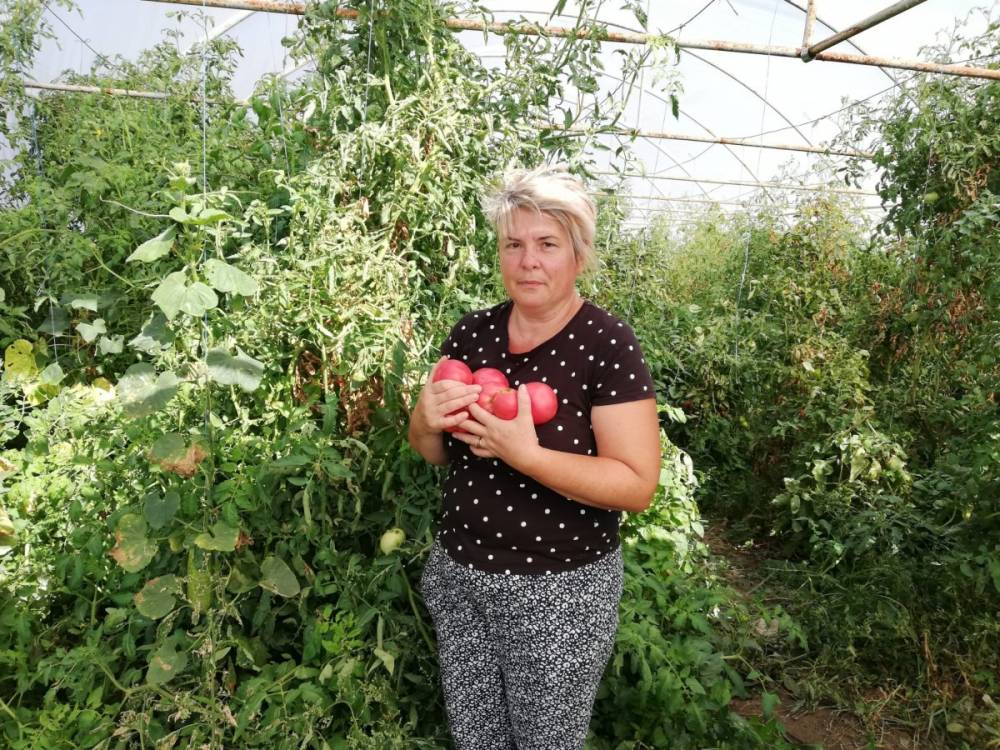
{"points": [[85, 42], [708, 5]]}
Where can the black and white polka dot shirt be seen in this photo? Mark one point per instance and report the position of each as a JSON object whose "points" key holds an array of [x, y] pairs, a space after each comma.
{"points": [[496, 519]]}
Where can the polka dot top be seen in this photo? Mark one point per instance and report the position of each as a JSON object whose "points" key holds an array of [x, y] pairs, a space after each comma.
{"points": [[496, 519]]}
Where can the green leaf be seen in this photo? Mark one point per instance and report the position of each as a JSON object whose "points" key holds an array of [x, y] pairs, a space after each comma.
{"points": [[157, 599], [209, 216], [166, 663], [768, 702], [141, 392], [55, 323], [179, 214], [132, 550], [174, 295], [159, 510], [111, 344], [241, 370], [82, 301], [155, 248], [154, 336], [52, 375], [90, 331], [278, 578], [222, 539], [227, 278], [387, 659], [167, 447], [19, 361]]}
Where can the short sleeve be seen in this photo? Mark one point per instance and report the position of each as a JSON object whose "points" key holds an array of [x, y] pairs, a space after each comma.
{"points": [[622, 374]]}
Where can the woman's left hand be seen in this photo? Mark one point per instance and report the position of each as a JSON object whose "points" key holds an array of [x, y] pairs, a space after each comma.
{"points": [[514, 441]]}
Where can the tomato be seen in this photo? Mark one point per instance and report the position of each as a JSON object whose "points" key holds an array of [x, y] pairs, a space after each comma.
{"points": [[391, 540], [505, 403], [453, 369], [485, 375], [544, 402], [486, 395]]}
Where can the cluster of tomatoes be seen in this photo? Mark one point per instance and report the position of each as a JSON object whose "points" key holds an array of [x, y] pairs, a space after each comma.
{"points": [[497, 397]]}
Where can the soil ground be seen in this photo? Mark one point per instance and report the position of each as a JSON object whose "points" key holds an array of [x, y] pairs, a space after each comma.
{"points": [[815, 727]]}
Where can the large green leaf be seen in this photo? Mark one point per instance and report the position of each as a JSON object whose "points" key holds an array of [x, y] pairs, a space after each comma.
{"points": [[142, 392], [175, 295], [83, 300], [110, 344], [222, 539], [157, 599], [19, 361], [241, 370], [166, 663], [159, 509], [90, 331], [155, 248], [154, 336], [227, 278], [132, 550], [278, 578]]}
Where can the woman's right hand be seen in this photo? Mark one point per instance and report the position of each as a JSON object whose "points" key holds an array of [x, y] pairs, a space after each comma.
{"points": [[443, 404]]}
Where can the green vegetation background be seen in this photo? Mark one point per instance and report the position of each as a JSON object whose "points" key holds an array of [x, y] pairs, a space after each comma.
{"points": [[215, 319]]}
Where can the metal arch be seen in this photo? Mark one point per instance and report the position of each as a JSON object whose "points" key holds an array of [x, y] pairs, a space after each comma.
{"points": [[697, 57], [236, 18], [752, 90], [655, 145]]}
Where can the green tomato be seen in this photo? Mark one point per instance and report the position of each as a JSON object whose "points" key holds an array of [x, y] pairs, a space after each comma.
{"points": [[391, 540]]}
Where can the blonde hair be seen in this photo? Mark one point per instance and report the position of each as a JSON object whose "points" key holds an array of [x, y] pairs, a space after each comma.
{"points": [[549, 190]]}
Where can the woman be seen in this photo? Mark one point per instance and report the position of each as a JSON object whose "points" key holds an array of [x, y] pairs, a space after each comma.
{"points": [[525, 576]]}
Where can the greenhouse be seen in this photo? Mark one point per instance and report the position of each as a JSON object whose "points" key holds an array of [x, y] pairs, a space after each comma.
{"points": [[577, 375]]}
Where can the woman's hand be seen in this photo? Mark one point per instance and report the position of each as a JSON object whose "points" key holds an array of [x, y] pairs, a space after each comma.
{"points": [[514, 441], [442, 404]]}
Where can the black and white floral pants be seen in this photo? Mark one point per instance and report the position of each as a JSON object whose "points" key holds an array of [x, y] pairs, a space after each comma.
{"points": [[521, 655]]}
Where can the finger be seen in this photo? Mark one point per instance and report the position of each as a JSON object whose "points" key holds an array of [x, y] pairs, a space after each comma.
{"points": [[523, 403], [451, 404], [473, 432], [481, 415], [451, 420]]}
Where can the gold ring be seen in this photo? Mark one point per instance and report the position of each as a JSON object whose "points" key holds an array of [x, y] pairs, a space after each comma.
{"points": [[480, 445]]}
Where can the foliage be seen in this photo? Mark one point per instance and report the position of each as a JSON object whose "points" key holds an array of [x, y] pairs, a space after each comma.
{"points": [[215, 336]]}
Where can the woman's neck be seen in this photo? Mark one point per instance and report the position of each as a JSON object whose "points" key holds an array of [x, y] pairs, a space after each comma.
{"points": [[528, 328]]}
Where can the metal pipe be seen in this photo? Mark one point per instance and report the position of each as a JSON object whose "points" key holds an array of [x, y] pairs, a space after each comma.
{"points": [[810, 20], [743, 183], [73, 88], [461, 24], [94, 90], [726, 141], [810, 53], [230, 23]]}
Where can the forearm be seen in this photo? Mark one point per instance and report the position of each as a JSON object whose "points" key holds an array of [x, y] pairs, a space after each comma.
{"points": [[427, 443], [597, 481]]}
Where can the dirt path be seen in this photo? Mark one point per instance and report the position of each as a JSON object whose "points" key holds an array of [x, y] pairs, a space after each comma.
{"points": [[831, 729]]}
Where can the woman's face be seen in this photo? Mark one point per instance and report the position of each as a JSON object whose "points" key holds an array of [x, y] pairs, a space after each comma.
{"points": [[537, 262]]}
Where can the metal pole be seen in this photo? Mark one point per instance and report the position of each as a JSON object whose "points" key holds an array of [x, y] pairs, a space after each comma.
{"points": [[460, 24], [724, 141], [743, 183], [94, 90], [810, 52], [810, 20]]}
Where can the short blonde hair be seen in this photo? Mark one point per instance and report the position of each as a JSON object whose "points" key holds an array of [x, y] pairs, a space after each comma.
{"points": [[552, 191]]}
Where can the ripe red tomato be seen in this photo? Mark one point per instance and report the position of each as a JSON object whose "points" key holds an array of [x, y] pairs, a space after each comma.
{"points": [[486, 395], [544, 403], [505, 403], [453, 369], [485, 375]]}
